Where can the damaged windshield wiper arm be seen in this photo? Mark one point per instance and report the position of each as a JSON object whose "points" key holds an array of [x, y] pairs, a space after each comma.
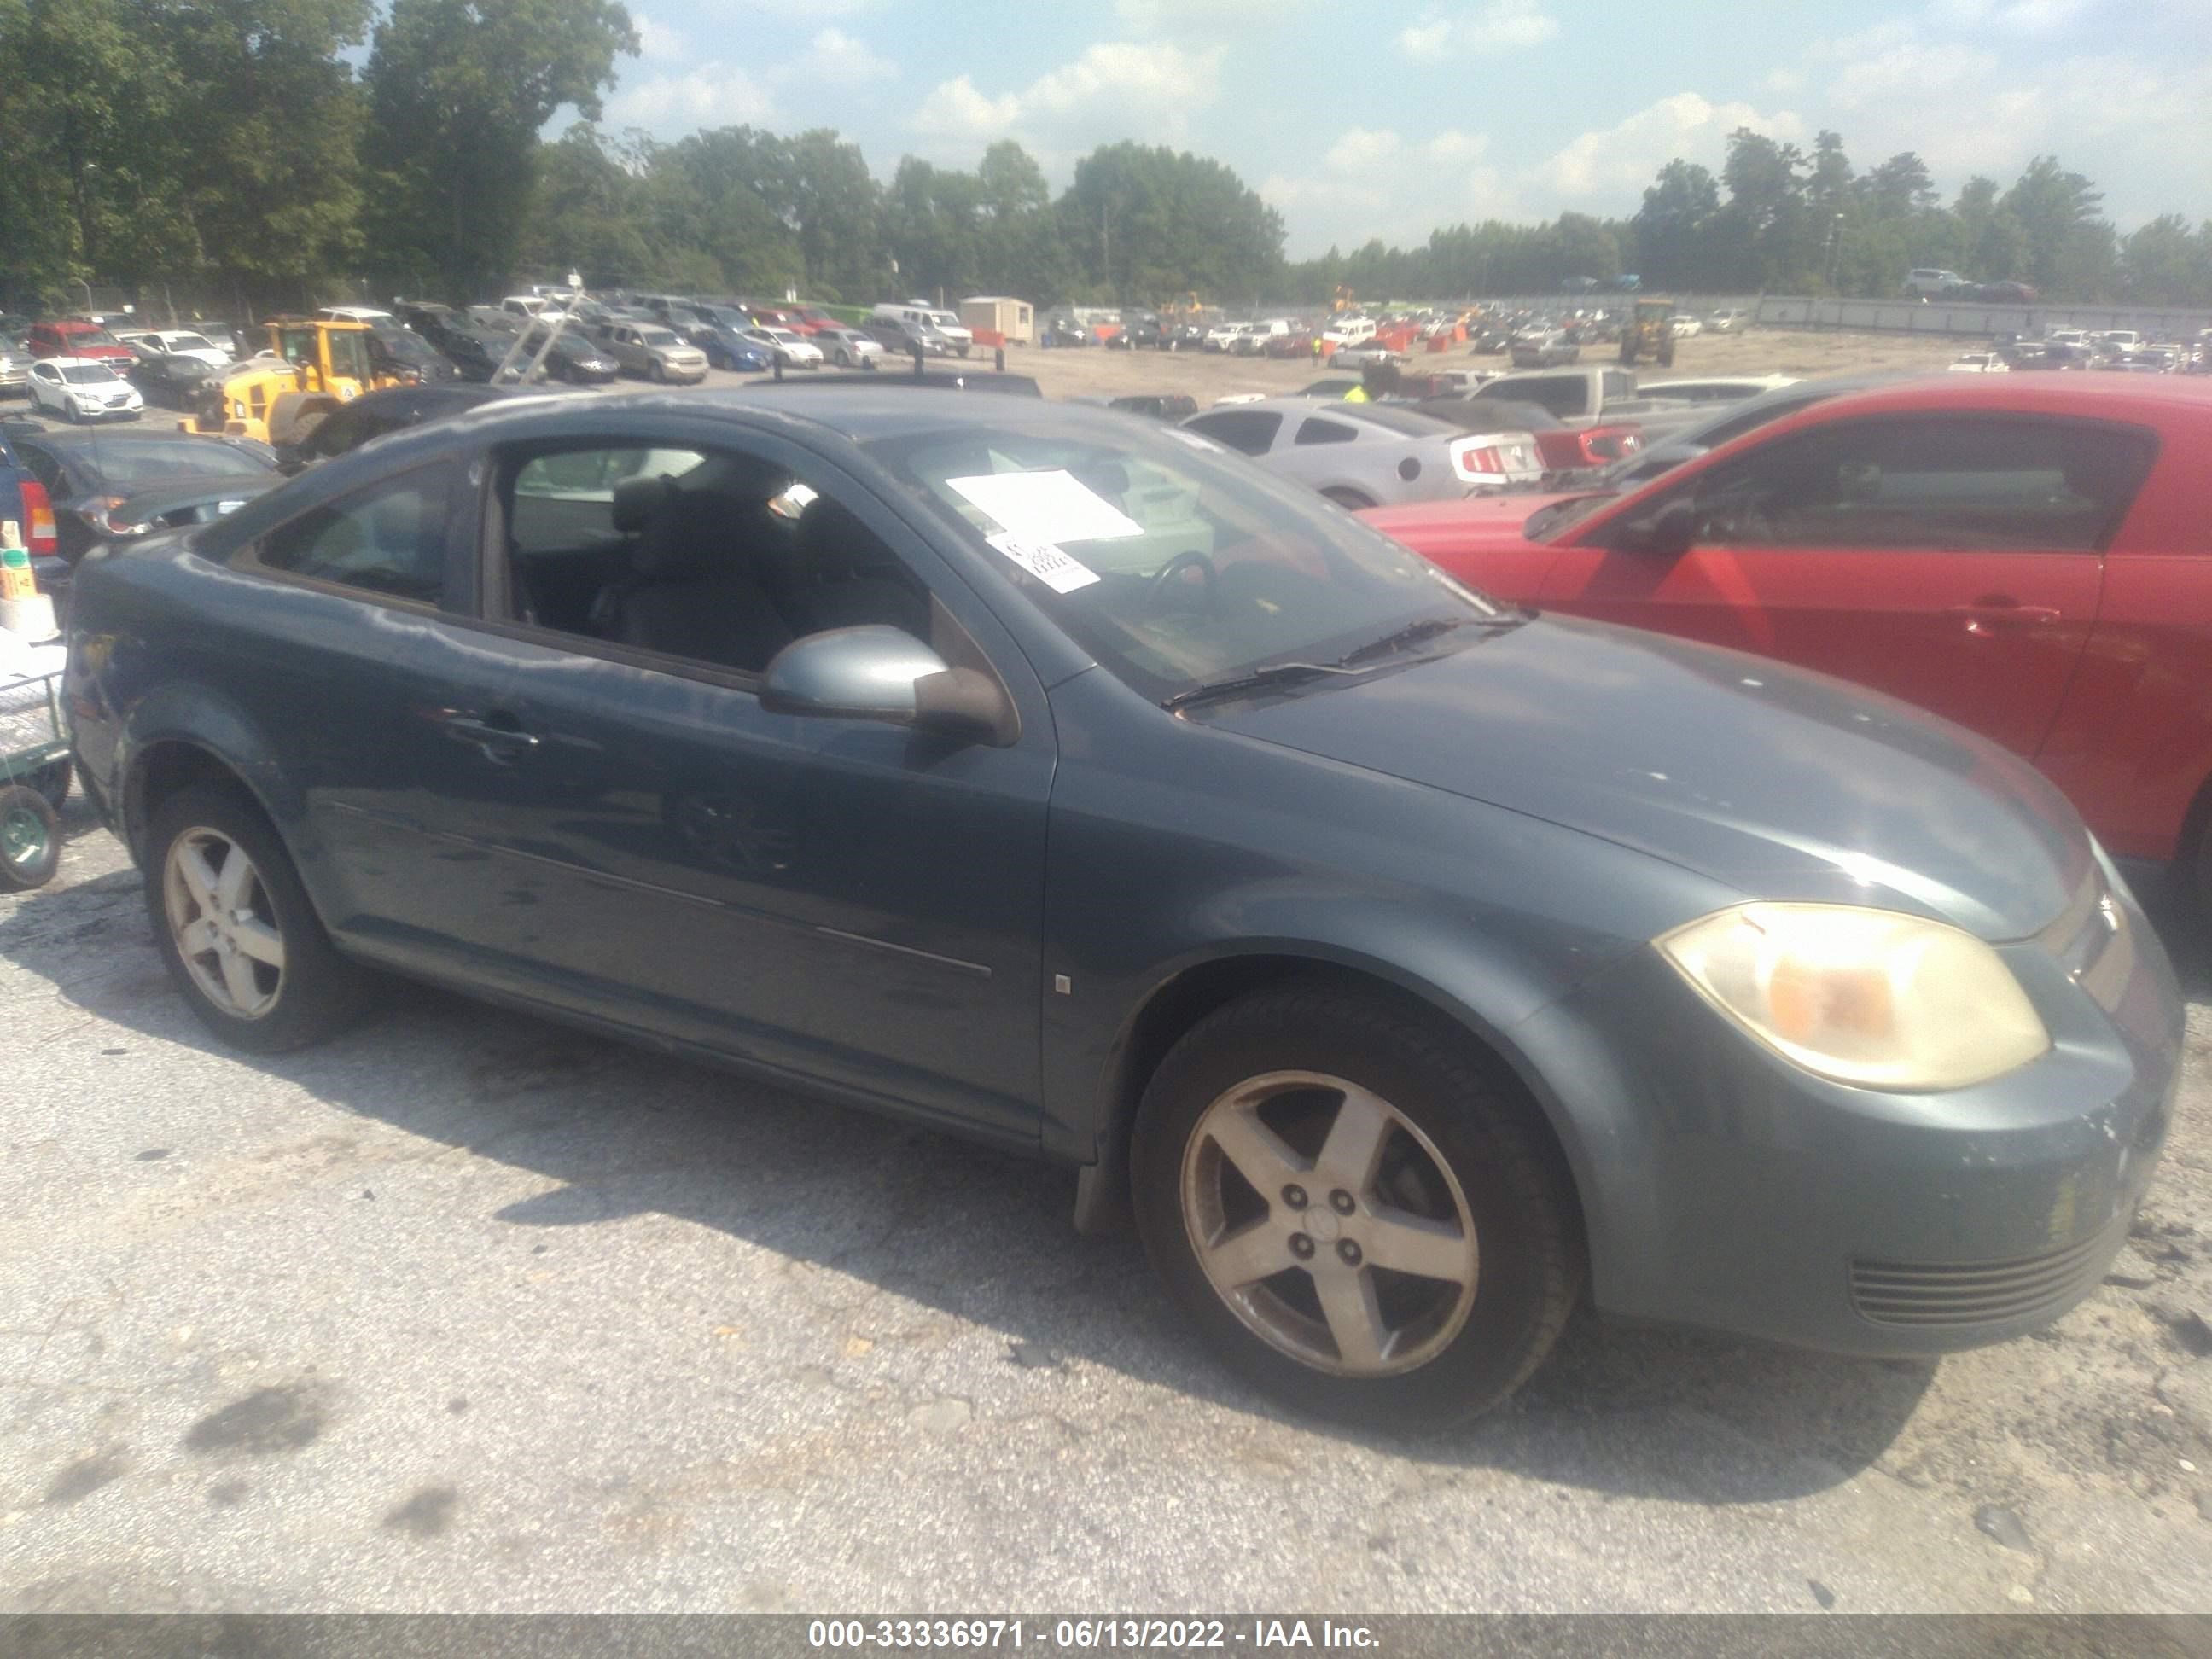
{"points": [[1426, 629], [1274, 673]]}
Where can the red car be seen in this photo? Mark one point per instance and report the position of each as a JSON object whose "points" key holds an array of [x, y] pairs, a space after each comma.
{"points": [[77, 338], [2031, 558]]}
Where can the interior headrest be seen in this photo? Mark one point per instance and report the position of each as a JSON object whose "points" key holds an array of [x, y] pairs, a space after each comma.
{"points": [[832, 536], [637, 500], [696, 533]]}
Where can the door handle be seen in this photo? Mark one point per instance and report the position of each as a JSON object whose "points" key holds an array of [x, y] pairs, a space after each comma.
{"points": [[501, 741], [1989, 618]]}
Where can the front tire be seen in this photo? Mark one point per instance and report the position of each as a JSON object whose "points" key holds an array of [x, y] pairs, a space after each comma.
{"points": [[235, 927], [1357, 1206]]}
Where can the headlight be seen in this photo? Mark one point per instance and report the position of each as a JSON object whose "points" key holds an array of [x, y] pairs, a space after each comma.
{"points": [[1867, 997]]}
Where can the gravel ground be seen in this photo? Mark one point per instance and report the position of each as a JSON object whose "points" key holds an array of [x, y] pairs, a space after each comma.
{"points": [[465, 1312]]}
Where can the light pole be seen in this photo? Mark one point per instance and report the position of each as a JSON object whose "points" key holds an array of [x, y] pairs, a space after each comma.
{"points": [[1835, 231]]}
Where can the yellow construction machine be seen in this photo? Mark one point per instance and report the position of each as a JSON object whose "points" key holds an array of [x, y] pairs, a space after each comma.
{"points": [[1649, 333], [310, 366]]}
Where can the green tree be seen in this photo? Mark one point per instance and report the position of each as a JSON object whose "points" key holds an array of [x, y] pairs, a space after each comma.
{"points": [[1149, 222], [265, 128], [1672, 225], [459, 90], [2163, 264], [2069, 246]]}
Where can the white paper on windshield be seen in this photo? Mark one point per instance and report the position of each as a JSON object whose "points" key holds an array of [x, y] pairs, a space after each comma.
{"points": [[1045, 562], [1042, 508]]}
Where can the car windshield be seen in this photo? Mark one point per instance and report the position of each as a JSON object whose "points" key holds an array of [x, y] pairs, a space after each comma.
{"points": [[780, 335], [86, 374], [1548, 521], [191, 342], [1169, 560], [149, 460], [78, 338], [657, 336]]}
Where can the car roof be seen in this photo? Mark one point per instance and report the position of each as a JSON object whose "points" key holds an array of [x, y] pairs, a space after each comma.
{"points": [[2150, 399], [1395, 420], [858, 413]]}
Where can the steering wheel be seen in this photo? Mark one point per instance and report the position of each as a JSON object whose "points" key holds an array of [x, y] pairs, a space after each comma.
{"points": [[1166, 575]]}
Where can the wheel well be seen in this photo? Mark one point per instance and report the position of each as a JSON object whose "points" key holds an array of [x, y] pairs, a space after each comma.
{"points": [[1189, 998], [161, 772]]}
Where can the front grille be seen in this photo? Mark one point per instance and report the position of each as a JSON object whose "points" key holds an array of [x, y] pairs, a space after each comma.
{"points": [[1942, 1293]]}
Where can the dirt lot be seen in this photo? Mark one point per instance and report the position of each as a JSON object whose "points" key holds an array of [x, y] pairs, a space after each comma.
{"points": [[1207, 375]]}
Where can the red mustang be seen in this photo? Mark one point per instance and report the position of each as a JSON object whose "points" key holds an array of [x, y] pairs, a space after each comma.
{"points": [[2032, 559]]}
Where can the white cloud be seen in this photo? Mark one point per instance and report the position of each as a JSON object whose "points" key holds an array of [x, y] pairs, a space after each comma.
{"points": [[1501, 25], [715, 95], [1206, 17], [835, 58], [955, 109], [658, 40], [1973, 86], [1785, 80], [1917, 69], [1115, 88], [1374, 182], [1624, 158], [2032, 17], [1359, 149]]}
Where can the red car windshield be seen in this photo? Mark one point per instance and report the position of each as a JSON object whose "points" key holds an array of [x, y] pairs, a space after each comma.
{"points": [[1552, 519], [77, 338]]}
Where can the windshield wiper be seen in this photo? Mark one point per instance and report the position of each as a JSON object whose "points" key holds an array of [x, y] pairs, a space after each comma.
{"points": [[1275, 673], [1411, 634]]}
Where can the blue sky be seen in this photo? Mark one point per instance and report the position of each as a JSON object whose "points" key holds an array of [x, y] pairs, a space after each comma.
{"points": [[1376, 119]]}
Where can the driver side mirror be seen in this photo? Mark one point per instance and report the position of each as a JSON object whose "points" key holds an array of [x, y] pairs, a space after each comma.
{"points": [[875, 672], [1666, 534]]}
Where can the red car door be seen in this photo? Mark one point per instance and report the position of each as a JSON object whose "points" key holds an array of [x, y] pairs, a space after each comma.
{"points": [[1954, 562]]}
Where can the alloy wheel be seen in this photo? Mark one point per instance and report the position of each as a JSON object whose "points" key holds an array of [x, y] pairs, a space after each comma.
{"points": [[224, 924], [1329, 1225]]}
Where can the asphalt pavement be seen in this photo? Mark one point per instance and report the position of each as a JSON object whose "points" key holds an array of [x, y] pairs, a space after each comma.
{"points": [[468, 1312]]}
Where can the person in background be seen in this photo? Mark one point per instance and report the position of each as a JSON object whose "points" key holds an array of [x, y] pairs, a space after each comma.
{"points": [[1376, 382]]}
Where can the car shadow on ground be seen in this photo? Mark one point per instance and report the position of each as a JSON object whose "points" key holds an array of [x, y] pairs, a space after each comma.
{"points": [[980, 1234]]}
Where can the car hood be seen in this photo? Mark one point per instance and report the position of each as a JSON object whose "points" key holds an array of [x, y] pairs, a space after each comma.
{"points": [[1782, 784], [1473, 521]]}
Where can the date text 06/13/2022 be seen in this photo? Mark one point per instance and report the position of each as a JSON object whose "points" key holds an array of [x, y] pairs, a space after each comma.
{"points": [[1085, 1635]]}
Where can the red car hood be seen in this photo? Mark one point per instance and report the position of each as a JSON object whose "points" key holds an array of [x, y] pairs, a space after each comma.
{"points": [[1471, 524]]}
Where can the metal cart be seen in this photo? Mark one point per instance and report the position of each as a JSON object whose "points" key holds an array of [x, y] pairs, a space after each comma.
{"points": [[34, 764]]}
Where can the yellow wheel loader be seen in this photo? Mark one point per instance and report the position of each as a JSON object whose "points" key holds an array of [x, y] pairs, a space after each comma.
{"points": [[309, 368]]}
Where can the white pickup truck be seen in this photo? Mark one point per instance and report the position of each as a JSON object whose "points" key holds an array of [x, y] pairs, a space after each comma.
{"points": [[1590, 397]]}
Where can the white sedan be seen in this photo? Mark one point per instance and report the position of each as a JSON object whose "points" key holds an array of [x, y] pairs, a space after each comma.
{"points": [[189, 343], [84, 389], [1684, 327], [1980, 362], [793, 350]]}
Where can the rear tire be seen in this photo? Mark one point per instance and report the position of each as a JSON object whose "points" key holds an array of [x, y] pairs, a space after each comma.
{"points": [[1452, 1171], [216, 926]]}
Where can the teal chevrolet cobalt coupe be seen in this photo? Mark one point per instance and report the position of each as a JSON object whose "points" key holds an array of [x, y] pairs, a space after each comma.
{"points": [[1405, 966]]}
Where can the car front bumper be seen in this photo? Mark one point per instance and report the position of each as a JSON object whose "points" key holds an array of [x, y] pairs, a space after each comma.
{"points": [[1726, 1189]]}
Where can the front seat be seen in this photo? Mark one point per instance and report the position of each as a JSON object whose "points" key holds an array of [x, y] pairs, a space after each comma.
{"points": [[849, 576], [691, 591]]}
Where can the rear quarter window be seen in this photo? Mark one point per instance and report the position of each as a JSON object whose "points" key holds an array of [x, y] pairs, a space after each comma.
{"points": [[1251, 431]]}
